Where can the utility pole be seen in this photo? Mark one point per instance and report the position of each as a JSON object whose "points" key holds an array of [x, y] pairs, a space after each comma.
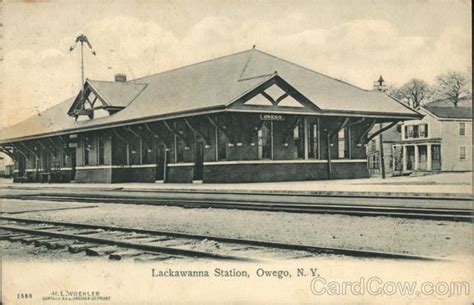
{"points": [[379, 85], [382, 158], [82, 39]]}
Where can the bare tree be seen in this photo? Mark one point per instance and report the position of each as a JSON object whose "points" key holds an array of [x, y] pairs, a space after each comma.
{"points": [[469, 80], [413, 93], [451, 86]]}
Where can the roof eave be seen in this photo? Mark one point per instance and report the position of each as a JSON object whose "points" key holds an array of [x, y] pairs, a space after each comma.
{"points": [[174, 115]]}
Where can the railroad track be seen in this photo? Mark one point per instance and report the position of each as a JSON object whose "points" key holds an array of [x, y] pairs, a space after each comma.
{"points": [[434, 213], [121, 243]]}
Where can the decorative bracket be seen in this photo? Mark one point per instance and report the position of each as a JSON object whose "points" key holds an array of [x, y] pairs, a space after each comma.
{"points": [[218, 127], [206, 141], [119, 136], [44, 146], [359, 141], [176, 133], [25, 147], [381, 130], [334, 132], [292, 127]]}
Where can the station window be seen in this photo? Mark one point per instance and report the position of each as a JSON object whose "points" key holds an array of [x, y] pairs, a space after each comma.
{"points": [[298, 137], [87, 148], [65, 158], [119, 151], [221, 143], [147, 152], [101, 150], [462, 153], [265, 141], [313, 141], [462, 129], [134, 150], [183, 142], [343, 144], [180, 147]]}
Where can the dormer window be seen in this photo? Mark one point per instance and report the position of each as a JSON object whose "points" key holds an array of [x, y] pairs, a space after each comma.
{"points": [[104, 98], [91, 105]]}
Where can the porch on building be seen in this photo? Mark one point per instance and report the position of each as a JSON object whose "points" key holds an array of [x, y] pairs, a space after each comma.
{"points": [[418, 157]]}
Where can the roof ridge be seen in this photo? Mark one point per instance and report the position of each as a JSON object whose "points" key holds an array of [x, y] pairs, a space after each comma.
{"points": [[116, 82], [190, 65], [246, 64], [313, 71]]}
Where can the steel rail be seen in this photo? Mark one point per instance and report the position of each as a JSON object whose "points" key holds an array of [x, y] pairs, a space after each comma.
{"points": [[330, 208], [263, 244], [332, 194], [123, 244]]}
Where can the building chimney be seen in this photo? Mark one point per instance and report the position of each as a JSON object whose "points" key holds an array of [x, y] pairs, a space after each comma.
{"points": [[120, 77]]}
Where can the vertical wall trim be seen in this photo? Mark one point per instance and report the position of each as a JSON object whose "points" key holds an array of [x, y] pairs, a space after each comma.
{"points": [[128, 153], [271, 139], [329, 155], [349, 135], [306, 138], [319, 138], [97, 149], [140, 150], [175, 149], [216, 147]]}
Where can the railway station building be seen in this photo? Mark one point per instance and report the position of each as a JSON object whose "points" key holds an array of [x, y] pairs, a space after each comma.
{"points": [[245, 117]]}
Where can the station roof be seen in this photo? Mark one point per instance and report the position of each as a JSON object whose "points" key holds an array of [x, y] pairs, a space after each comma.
{"points": [[210, 85]]}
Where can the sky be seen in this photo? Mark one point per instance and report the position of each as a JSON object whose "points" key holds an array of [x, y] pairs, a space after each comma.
{"points": [[355, 41]]}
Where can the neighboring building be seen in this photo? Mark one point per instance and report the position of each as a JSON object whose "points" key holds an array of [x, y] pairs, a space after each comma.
{"points": [[2, 166], [441, 141], [244, 117], [390, 137], [5, 166]]}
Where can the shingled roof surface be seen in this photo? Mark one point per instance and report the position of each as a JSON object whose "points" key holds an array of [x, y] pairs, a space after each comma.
{"points": [[210, 84], [451, 112], [463, 102]]}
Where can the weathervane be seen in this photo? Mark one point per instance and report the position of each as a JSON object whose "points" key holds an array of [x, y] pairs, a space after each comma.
{"points": [[82, 39]]}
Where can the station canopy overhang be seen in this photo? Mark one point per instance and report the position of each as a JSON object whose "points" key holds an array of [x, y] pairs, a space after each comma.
{"points": [[247, 82]]}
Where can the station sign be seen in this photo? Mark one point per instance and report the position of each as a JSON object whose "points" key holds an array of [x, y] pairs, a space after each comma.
{"points": [[272, 117]]}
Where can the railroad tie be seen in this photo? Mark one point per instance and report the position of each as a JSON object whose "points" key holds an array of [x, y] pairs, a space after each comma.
{"points": [[153, 257], [124, 254], [59, 244], [45, 242], [30, 240], [9, 235], [17, 237], [78, 247], [101, 250]]}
